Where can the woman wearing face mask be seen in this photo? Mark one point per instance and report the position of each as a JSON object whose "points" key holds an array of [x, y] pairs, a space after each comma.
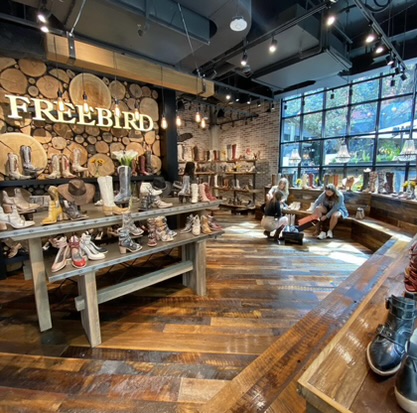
{"points": [[329, 207]]}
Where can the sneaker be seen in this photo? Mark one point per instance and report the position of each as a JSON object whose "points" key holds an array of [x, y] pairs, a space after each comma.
{"points": [[322, 235], [329, 234]]}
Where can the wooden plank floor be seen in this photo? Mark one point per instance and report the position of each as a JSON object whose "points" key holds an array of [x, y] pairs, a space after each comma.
{"points": [[165, 349]]}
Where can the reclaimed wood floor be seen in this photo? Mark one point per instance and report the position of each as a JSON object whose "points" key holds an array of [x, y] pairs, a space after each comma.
{"points": [[164, 349]]}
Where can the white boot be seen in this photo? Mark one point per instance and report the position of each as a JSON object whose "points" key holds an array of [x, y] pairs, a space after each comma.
{"points": [[55, 168], [203, 195], [76, 165], [65, 167], [105, 184], [194, 193], [13, 166], [146, 188]]}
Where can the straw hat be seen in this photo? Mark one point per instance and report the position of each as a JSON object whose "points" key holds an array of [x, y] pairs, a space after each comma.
{"points": [[77, 191]]}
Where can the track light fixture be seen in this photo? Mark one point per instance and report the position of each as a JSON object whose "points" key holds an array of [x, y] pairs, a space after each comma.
{"points": [[273, 45], [331, 18], [379, 48], [403, 76], [392, 82], [244, 60], [44, 28], [390, 60], [43, 14], [371, 37]]}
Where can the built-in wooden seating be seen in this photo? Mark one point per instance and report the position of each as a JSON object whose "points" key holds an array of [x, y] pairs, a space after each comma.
{"points": [[332, 338]]}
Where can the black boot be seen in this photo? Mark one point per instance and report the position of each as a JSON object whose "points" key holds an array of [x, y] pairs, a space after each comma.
{"points": [[387, 350], [406, 380]]}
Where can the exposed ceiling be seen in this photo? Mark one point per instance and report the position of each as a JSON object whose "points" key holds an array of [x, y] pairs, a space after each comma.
{"points": [[194, 36]]}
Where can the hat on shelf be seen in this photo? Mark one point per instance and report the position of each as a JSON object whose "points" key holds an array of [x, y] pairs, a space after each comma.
{"points": [[159, 183], [77, 191]]}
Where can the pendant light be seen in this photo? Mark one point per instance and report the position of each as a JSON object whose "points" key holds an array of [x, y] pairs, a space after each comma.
{"points": [[137, 114], [343, 155], [86, 107], [178, 121], [203, 123], [60, 105], [164, 123], [197, 115], [295, 158], [408, 151], [117, 112]]}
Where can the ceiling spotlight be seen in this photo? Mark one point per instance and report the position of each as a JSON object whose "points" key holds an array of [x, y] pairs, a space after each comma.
{"points": [[43, 14], [44, 28], [244, 60], [390, 60], [273, 46], [330, 20], [379, 48], [332, 95], [392, 82], [403, 76], [238, 24], [228, 96], [371, 37]]}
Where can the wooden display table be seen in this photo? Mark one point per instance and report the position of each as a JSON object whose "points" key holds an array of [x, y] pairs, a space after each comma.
{"points": [[192, 266], [339, 379]]}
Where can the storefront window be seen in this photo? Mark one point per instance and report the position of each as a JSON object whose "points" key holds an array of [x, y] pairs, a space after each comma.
{"points": [[363, 118], [337, 97], [291, 129], [312, 126], [365, 91], [395, 113], [336, 122], [292, 107], [314, 102]]}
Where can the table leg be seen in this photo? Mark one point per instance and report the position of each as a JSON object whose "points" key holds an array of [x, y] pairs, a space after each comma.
{"points": [[40, 287], [90, 319], [196, 279]]}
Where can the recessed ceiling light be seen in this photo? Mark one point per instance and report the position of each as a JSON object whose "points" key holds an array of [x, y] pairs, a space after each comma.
{"points": [[238, 24]]}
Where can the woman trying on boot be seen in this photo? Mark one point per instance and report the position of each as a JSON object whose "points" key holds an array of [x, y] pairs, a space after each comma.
{"points": [[330, 205], [273, 218]]}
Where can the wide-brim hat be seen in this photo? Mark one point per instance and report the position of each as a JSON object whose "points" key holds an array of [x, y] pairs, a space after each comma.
{"points": [[77, 191], [159, 183]]}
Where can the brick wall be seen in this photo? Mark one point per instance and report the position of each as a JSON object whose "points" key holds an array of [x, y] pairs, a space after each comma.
{"points": [[259, 134]]}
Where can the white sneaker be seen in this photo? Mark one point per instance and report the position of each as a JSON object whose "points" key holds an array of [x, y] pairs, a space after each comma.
{"points": [[329, 234], [322, 235]]}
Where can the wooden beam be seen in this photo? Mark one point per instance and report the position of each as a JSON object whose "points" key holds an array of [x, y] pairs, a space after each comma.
{"points": [[96, 59]]}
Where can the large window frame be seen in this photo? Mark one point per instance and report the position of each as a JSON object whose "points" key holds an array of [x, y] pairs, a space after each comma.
{"points": [[373, 116]]}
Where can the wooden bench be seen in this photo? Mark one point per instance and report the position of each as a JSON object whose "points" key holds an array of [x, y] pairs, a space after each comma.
{"points": [[270, 383], [339, 379]]}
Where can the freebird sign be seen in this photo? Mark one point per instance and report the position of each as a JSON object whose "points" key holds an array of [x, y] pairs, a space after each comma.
{"points": [[74, 114]]}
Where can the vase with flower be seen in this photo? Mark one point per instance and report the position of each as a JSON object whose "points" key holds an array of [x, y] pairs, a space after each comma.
{"points": [[124, 170]]}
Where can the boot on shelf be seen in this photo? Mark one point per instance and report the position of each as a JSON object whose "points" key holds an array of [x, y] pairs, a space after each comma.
{"points": [[196, 153], [55, 212], [159, 203], [381, 182], [202, 192], [65, 167], [229, 152], [13, 167], [205, 228], [234, 152], [14, 219], [86, 239], [127, 223], [76, 164], [188, 224], [311, 181], [28, 167], [126, 243], [142, 165], [105, 184], [146, 188], [194, 193], [55, 168], [124, 195], [214, 226], [71, 210], [22, 204], [149, 167], [365, 185], [373, 178], [185, 192], [151, 232], [388, 348], [196, 228], [389, 182], [208, 192]]}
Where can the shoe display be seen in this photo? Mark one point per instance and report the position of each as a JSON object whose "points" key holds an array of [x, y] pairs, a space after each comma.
{"points": [[322, 235], [329, 233], [91, 250], [387, 350], [159, 203], [189, 224]]}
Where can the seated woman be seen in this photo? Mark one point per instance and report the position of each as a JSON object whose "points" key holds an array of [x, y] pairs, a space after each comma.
{"points": [[330, 205], [282, 186], [273, 218]]}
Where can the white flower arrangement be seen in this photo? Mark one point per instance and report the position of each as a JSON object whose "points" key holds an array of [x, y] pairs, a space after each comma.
{"points": [[125, 157]]}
